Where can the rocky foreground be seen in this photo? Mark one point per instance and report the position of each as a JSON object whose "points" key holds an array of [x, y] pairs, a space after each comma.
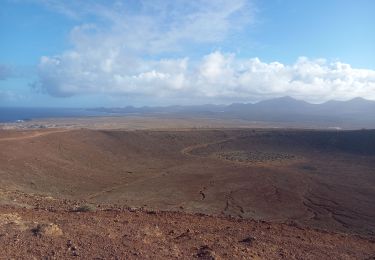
{"points": [[37, 227]]}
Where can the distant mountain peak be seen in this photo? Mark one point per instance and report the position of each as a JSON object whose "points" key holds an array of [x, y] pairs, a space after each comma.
{"points": [[356, 100], [287, 100], [359, 99]]}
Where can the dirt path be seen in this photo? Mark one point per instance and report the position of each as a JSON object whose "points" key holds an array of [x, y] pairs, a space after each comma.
{"points": [[186, 151], [189, 149], [34, 134]]}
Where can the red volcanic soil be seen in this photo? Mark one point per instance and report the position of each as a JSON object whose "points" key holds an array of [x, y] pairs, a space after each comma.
{"points": [[270, 189], [49, 228]]}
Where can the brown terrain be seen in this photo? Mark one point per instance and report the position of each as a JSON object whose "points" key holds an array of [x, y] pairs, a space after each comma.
{"points": [[187, 193]]}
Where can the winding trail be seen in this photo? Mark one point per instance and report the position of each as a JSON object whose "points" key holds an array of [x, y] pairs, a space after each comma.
{"points": [[189, 149], [186, 151]]}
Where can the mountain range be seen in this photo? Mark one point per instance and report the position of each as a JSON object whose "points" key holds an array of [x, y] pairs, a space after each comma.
{"points": [[354, 113]]}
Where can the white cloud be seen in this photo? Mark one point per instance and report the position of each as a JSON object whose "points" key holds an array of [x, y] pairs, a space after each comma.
{"points": [[218, 76], [153, 26], [119, 53]]}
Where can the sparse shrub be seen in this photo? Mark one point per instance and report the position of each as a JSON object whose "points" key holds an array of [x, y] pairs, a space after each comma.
{"points": [[308, 167], [50, 229], [86, 208]]}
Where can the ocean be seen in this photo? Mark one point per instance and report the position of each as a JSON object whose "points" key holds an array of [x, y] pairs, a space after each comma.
{"points": [[12, 114]]}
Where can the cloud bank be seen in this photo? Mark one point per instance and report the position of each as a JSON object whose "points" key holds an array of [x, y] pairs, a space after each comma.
{"points": [[141, 52], [216, 76]]}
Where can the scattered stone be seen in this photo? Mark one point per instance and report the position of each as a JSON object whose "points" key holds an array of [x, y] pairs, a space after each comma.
{"points": [[133, 209], [186, 234], [72, 247], [13, 220], [205, 252], [254, 156], [248, 240], [151, 212]]}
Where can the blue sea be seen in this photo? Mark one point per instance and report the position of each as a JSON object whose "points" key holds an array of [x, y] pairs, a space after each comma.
{"points": [[12, 114]]}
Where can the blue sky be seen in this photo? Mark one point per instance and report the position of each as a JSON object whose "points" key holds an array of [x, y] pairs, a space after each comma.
{"points": [[118, 53]]}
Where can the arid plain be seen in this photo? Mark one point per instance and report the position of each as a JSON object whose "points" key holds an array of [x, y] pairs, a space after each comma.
{"points": [[180, 189]]}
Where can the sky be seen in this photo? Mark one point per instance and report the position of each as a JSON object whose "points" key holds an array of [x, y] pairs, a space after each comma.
{"points": [[75, 53]]}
